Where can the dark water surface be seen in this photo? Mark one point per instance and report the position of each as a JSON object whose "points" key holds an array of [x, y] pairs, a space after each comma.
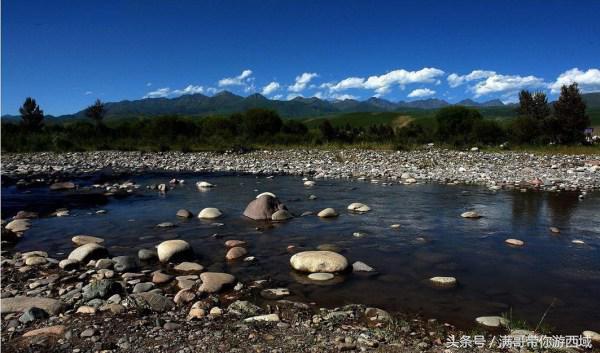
{"points": [[493, 277]]}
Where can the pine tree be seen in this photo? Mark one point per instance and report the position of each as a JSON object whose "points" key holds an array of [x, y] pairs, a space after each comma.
{"points": [[31, 114], [96, 112], [570, 115]]}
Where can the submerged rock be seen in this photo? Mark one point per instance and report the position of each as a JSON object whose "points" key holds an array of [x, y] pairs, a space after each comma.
{"points": [[18, 225], [318, 261], [236, 253], [359, 266], [183, 213], [470, 214], [281, 215], [321, 276], [358, 207], [210, 213], [443, 282], [514, 242], [67, 185], [327, 213], [86, 239]]}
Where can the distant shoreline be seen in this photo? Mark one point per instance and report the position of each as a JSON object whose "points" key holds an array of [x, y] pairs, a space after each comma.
{"points": [[496, 170]]}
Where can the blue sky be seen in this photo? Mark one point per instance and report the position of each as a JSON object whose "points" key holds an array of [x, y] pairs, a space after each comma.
{"points": [[68, 53]]}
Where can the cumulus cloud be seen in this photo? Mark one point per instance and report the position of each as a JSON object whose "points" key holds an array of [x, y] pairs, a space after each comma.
{"points": [[506, 84], [239, 80], [301, 81], [270, 88], [191, 89], [383, 83], [159, 93], [588, 81], [421, 92], [455, 80]]}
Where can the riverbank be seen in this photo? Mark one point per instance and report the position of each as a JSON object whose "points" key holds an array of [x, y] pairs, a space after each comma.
{"points": [[97, 308], [493, 169]]}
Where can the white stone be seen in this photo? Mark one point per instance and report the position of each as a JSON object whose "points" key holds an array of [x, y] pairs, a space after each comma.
{"points": [[170, 248], [492, 321], [441, 281], [321, 276], [318, 261], [327, 213], [210, 213], [358, 207]]}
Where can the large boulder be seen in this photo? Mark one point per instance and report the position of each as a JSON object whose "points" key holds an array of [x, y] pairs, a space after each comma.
{"points": [[21, 304], [263, 207], [213, 282], [173, 249], [318, 261], [86, 252]]}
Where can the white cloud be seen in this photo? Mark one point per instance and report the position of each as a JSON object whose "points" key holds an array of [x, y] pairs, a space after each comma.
{"points": [[87, 93], [301, 81], [455, 80], [293, 95], [278, 96], [159, 93], [383, 83], [239, 80], [343, 97], [211, 90], [148, 84], [588, 81], [506, 84], [421, 92], [270, 88], [191, 89]]}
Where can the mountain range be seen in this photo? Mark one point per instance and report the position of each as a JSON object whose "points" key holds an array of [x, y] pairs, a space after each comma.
{"points": [[226, 102]]}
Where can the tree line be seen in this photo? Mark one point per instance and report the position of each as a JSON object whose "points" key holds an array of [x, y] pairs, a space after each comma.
{"points": [[537, 122]]}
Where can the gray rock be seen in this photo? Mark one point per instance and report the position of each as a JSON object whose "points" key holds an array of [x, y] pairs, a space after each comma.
{"points": [[68, 264], [263, 207], [359, 266], [103, 289], [21, 304], [142, 287], [281, 215], [244, 308], [33, 314], [152, 301], [147, 254], [274, 293], [126, 263], [183, 213], [67, 185], [104, 264]]}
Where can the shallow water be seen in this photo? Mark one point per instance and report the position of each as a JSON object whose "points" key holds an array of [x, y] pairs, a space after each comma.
{"points": [[493, 277]]}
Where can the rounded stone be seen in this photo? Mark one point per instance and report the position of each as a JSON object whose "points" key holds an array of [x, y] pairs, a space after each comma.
{"points": [[210, 213], [189, 267], [281, 215], [470, 214], [233, 243], [213, 282], [86, 252], [492, 321], [18, 225], [358, 207], [183, 213], [443, 282], [263, 207], [514, 242], [309, 183], [327, 213], [86, 239], [321, 276], [204, 184], [554, 230], [35, 260], [173, 248], [318, 261], [236, 253]]}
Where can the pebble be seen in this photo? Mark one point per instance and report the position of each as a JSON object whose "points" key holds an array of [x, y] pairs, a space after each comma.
{"points": [[514, 242]]}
